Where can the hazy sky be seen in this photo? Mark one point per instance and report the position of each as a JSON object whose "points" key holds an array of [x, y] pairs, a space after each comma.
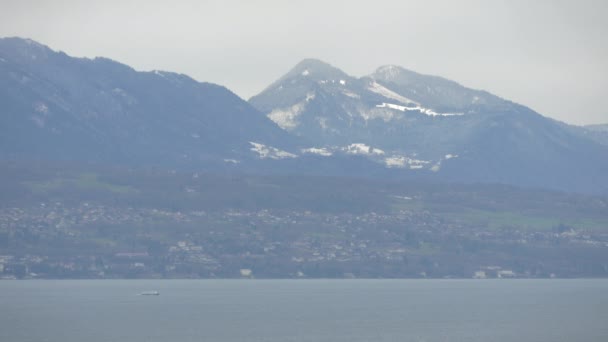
{"points": [[549, 55]]}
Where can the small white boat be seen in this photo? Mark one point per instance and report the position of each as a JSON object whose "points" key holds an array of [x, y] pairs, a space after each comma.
{"points": [[149, 293]]}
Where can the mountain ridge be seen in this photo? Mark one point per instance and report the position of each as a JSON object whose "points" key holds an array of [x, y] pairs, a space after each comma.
{"points": [[427, 123], [124, 115], [316, 119]]}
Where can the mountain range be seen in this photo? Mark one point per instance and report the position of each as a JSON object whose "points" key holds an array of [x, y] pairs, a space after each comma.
{"points": [[316, 119], [429, 124]]}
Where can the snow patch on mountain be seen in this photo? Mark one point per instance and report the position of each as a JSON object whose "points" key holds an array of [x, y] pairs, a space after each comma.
{"points": [[389, 94], [351, 94], [169, 76], [380, 113], [398, 162], [159, 73], [269, 152], [397, 107], [318, 151], [405, 162], [437, 166], [305, 72], [362, 149], [342, 82], [418, 108], [287, 118], [42, 108]]}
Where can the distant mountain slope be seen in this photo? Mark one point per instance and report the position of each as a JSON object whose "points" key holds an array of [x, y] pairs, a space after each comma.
{"points": [[392, 109], [435, 92], [598, 128], [58, 107], [431, 126], [598, 133]]}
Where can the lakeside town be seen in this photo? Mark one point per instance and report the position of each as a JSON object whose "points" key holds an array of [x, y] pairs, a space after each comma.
{"points": [[94, 240]]}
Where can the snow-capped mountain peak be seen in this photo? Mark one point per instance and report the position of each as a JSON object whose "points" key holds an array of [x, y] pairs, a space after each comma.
{"points": [[413, 122]]}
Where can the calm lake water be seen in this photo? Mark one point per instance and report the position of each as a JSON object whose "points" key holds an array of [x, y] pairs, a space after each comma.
{"points": [[304, 310]]}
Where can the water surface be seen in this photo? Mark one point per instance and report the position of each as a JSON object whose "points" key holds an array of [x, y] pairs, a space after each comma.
{"points": [[304, 310]]}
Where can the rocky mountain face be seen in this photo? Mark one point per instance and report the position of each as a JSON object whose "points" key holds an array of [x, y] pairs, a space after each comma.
{"points": [[431, 127], [55, 107]]}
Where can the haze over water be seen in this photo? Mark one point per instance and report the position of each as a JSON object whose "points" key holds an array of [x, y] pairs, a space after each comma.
{"points": [[309, 310]]}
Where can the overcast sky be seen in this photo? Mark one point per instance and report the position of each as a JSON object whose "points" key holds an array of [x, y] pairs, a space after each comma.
{"points": [[549, 55]]}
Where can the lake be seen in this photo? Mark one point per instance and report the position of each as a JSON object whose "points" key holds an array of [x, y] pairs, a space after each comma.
{"points": [[303, 310]]}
